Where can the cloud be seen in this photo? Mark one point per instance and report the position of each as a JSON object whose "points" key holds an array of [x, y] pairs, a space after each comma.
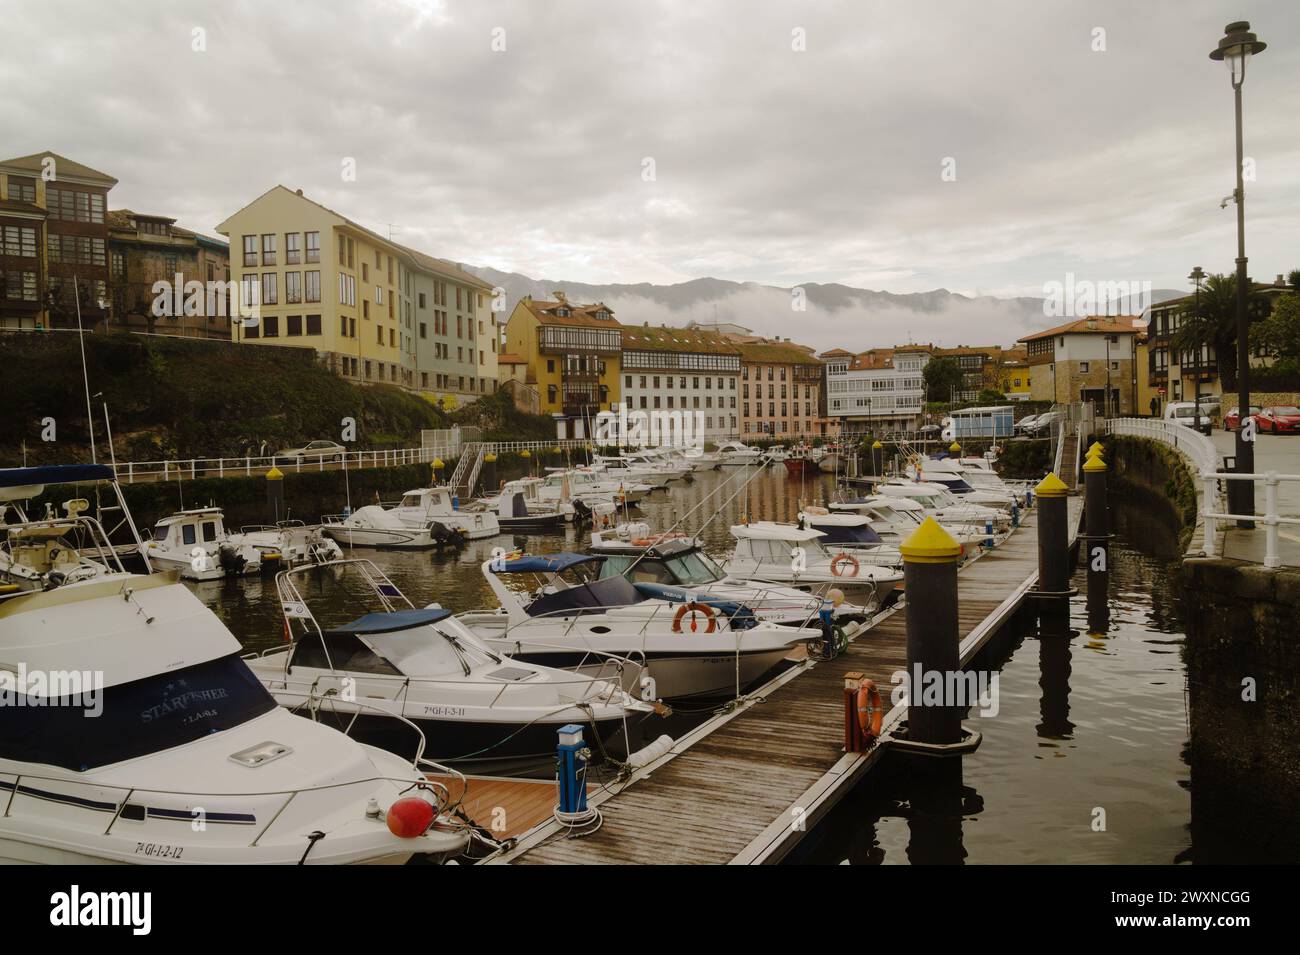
{"points": [[772, 165]]}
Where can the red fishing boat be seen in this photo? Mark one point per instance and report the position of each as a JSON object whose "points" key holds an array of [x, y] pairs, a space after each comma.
{"points": [[802, 460]]}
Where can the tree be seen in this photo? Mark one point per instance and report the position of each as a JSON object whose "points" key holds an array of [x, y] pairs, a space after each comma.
{"points": [[942, 376], [1279, 334], [1215, 324], [989, 396]]}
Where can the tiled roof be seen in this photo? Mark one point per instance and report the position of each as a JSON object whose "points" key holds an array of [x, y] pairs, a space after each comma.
{"points": [[1092, 325], [62, 165], [510, 358], [579, 315], [776, 353], [664, 338]]}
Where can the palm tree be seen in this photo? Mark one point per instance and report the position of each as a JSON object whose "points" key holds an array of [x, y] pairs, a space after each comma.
{"points": [[1215, 324]]}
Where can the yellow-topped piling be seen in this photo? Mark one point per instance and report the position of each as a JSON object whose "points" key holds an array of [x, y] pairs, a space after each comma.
{"points": [[1094, 463], [275, 474], [1051, 486], [930, 544]]}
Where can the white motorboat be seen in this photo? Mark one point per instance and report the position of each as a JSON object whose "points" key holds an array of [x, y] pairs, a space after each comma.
{"points": [[591, 486], [658, 464], [986, 489], [777, 452], [564, 616], [737, 454], [895, 518], [785, 554], [288, 544], [519, 506], [422, 666], [676, 567], [426, 506], [946, 507], [626, 472], [195, 542], [377, 526], [51, 551], [185, 757], [852, 533]]}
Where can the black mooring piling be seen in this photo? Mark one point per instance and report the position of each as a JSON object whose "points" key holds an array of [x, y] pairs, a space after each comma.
{"points": [[930, 558]]}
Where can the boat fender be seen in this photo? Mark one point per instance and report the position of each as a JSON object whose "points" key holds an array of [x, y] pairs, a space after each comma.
{"points": [[648, 754], [693, 607], [842, 558], [870, 711]]}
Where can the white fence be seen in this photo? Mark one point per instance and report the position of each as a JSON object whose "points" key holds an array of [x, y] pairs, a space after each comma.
{"points": [[1203, 457]]}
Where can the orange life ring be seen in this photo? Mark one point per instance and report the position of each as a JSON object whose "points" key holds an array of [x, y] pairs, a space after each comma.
{"points": [[870, 712], [845, 558], [693, 607]]}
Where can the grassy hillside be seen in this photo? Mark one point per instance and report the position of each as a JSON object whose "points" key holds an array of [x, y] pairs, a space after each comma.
{"points": [[186, 398]]}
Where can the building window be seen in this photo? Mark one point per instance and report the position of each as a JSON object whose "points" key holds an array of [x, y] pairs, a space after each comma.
{"points": [[1084, 367], [271, 326], [292, 287], [293, 325], [269, 288], [268, 249], [313, 324], [313, 286], [21, 189], [250, 250], [292, 248], [313, 247]]}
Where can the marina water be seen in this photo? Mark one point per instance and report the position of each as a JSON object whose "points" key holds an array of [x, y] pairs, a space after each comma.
{"points": [[1085, 723]]}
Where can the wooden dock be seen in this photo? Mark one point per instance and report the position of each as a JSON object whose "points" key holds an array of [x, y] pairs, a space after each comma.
{"points": [[745, 786]]}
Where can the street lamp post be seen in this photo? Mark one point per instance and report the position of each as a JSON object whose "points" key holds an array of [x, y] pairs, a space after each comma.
{"points": [[1235, 49], [1197, 275]]}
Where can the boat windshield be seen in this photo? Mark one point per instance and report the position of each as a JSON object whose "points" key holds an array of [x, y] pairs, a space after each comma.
{"points": [[694, 568], [132, 719]]}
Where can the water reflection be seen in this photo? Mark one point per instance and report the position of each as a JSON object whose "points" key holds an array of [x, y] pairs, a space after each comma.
{"points": [[1083, 762]]}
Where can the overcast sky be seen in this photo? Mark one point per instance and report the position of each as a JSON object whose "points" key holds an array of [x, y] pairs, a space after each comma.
{"points": [[771, 164]]}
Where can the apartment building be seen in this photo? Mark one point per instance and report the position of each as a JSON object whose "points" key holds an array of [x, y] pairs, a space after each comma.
{"points": [[1089, 359], [685, 370], [573, 355], [878, 390], [53, 243], [372, 309], [455, 333], [780, 392], [979, 366], [146, 249], [1171, 372]]}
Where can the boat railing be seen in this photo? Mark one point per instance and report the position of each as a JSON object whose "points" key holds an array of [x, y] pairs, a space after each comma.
{"points": [[105, 554], [29, 784]]}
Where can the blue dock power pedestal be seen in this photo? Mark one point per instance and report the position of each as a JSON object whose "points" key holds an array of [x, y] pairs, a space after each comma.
{"points": [[571, 767]]}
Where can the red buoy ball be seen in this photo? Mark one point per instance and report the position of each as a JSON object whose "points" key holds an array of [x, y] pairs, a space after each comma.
{"points": [[410, 817]]}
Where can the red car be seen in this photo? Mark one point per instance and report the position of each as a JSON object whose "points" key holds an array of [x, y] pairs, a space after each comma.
{"points": [[1232, 419], [1279, 419]]}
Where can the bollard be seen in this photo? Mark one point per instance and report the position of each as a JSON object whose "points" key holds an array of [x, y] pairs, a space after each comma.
{"points": [[877, 459], [571, 770], [1029, 499], [490, 473], [930, 557], [1015, 514], [1053, 538], [274, 495], [1097, 516], [954, 449], [853, 741]]}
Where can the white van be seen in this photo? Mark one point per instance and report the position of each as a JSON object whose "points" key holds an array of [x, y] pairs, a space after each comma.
{"points": [[1184, 413]]}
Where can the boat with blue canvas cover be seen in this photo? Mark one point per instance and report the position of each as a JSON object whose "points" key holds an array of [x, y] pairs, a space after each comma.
{"points": [[555, 609]]}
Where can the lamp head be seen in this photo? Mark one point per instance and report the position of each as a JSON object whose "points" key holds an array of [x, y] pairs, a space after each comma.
{"points": [[1236, 47]]}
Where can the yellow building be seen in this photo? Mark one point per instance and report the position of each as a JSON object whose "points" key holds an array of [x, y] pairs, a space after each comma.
{"points": [[1013, 374], [573, 355], [372, 309]]}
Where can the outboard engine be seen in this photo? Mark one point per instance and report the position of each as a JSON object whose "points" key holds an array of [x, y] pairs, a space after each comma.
{"points": [[445, 536], [581, 511], [230, 560]]}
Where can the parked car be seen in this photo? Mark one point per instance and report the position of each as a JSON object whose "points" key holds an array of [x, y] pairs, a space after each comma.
{"points": [[313, 452], [1184, 413], [1026, 424], [1232, 420], [1279, 419]]}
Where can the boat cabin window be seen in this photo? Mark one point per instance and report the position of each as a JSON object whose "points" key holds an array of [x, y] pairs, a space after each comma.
{"points": [[137, 718], [160, 532], [411, 500], [187, 533], [346, 652], [209, 530], [694, 568], [645, 571]]}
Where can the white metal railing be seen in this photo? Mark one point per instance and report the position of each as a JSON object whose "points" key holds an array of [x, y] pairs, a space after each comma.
{"points": [[1201, 453], [132, 472]]}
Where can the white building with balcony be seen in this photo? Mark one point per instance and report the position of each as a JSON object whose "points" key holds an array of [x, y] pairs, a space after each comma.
{"points": [[882, 389], [685, 370]]}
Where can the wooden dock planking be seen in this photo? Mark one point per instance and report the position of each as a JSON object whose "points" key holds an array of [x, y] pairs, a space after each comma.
{"points": [[523, 802], [730, 793]]}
